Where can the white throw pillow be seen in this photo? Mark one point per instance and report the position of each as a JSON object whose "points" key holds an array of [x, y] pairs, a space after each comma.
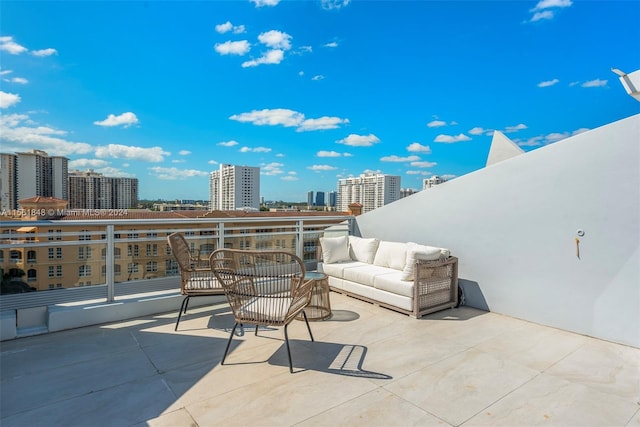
{"points": [[363, 250], [416, 251], [391, 254], [334, 249]]}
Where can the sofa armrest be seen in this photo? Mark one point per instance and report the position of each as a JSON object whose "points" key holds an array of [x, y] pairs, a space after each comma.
{"points": [[435, 285]]}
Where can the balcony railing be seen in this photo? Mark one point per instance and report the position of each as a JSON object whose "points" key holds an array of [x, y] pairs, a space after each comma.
{"points": [[109, 260]]}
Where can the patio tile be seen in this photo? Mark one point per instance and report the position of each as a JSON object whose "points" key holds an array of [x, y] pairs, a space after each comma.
{"points": [[548, 400], [376, 408], [476, 379]]}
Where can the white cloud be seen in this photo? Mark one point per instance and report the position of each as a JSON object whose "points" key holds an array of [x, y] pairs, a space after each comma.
{"points": [[19, 80], [261, 3], [331, 44], [547, 4], [18, 132], [184, 152], [328, 154], [178, 161], [595, 83], [416, 147], [423, 164], [539, 16], [8, 99], [541, 10], [114, 172], [227, 143], [240, 47], [271, 169], [480, 131], [359, 140], [318, 77], [213, 162], [174, 173], [398, 159], [118, 151], [271, 57], [321, 168], [228, 26], [291, 177], [424, 173], [321, 123], [549, 138], [254, 150], [288, 118], [125, 119], [275, 39], [8, 45], [516, 128], [548, 83], [82, 164], [334, 4], [44, 52], [449, 139], [436, 123], [5, 72], [273, 117]]}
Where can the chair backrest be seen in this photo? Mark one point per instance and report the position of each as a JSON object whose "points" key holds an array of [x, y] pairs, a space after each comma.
{"points": [[270, 282], [181, 251]]}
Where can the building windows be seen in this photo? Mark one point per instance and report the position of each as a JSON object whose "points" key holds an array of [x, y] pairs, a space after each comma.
{"points": [[31, 256], [133, 250], [132, 267], [84, 235], [152, 266], [152, 249], [84, 271], [84, 252], [58, 271]]}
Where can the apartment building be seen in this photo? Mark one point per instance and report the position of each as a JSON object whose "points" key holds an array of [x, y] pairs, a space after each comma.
{"points": [[91, 190], [430, 182], [30, 174], [372, 190], [235, 187]]}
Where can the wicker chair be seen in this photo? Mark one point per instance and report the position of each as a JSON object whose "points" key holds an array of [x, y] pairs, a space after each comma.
{"points": [[196, 277], [263, 288]]}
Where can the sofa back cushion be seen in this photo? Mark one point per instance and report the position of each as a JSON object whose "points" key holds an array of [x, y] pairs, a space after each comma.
{"points": [[391, 254], [335, 249], [363, 250], [415, 252]]}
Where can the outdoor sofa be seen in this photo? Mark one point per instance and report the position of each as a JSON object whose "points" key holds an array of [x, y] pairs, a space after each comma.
{"points": [[407, 277]]}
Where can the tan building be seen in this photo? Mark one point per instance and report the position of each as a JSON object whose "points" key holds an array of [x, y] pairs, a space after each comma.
{"points": [[75, 255]]}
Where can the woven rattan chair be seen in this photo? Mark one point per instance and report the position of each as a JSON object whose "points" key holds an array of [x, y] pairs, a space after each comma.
{"points": [[196, 277], [263, 288]]}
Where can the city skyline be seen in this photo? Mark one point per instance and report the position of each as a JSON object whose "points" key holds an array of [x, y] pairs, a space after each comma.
{"points": [[309, 92]]}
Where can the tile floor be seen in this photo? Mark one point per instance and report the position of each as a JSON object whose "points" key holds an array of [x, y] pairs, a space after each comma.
{"points": [[368, 366]]}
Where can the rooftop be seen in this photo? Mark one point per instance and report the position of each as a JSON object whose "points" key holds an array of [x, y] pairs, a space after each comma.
{"points": [[367, 366]]}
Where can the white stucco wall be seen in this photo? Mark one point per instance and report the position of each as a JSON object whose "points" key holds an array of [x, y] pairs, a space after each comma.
{"points": [[513, 226]]}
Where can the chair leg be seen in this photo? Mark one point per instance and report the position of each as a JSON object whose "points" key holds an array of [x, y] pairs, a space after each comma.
{"points": [[226, 350], [307, 322], [183, 308], [286, 340]]}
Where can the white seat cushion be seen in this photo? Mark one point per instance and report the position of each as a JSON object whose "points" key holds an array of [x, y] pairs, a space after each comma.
{"points": [[337, 269], [364, 274], [392, 282]]}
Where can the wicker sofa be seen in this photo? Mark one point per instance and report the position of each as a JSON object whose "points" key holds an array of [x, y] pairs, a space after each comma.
{"points": [[407, 277]]}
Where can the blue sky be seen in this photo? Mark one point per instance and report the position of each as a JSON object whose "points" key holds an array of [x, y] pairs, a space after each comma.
{"points": [[309, 91]]}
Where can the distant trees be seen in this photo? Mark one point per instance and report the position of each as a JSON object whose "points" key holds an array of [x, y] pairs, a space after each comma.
{"points": [[12, 282]]}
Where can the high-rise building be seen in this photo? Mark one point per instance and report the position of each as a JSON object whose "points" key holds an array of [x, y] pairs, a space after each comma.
{"points": [[8, 177], [405, 192], [309, 198], [91, 190], [235, 187], [319, 198], [34, 173], [370, 190], [430, 182], [332, 198]]}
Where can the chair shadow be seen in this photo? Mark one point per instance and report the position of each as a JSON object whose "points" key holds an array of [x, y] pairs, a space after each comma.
{"points": [[332, 358]]}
